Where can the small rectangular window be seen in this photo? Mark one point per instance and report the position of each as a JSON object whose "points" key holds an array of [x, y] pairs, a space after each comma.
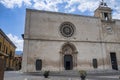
{"points": [[95, 64], [38, 64], [6, 50], [3, 48]]}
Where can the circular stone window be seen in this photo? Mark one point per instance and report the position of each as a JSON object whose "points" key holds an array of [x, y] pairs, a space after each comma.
{"points": [[67, 29]]}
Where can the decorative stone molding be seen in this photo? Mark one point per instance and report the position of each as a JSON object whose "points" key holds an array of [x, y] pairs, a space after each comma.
{"points": [[71, 50]]}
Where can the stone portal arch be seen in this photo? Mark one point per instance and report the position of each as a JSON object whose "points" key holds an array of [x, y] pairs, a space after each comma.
{"points": [[68, 56]]}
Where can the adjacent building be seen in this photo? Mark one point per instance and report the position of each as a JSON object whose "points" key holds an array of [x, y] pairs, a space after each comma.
{"points": [[59, 41], [17, 62], [7, 51]]}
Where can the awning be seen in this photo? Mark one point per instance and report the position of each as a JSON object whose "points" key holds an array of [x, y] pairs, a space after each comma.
{"points": [[3, 54]]}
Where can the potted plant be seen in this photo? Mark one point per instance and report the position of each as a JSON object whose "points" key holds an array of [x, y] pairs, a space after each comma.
{"points": [[83, 74], [46, 74]]}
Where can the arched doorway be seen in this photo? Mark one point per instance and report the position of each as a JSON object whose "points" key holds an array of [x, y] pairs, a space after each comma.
{"points": [[68, 62], [68, 56]]}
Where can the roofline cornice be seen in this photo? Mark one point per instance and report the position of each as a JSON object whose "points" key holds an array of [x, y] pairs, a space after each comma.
{"points": [[6, 37]]}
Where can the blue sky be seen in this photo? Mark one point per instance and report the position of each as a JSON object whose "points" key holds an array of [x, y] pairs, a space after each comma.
{"points": [[12, 20], [12, 13]]}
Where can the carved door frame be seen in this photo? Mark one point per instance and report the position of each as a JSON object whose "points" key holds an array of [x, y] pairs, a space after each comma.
{"points": [[71, 51]]}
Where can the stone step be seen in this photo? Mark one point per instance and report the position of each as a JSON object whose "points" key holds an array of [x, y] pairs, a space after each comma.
{"points": [[75, 73], [65, 73], [55, 73], [104, 72]]}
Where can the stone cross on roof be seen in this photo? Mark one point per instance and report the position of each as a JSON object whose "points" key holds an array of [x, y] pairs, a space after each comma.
{"points": [[103, 4]]}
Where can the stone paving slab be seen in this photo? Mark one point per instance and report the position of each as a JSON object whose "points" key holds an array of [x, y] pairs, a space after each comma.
{"points": [[114, 77], [16, 75], [53, 78]]}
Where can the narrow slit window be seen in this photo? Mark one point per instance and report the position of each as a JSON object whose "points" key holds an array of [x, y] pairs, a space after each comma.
{"points": [[95, 64]]}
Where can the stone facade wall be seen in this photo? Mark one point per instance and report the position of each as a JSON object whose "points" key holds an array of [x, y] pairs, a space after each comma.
{"points": [[49, 24], [49, 52], [92, 40]]}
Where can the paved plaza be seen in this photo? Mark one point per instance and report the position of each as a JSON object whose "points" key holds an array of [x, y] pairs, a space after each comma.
{"points": [[17, 75]]}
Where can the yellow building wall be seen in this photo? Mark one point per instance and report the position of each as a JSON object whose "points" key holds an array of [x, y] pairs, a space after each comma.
{"points": [[8, 49]]}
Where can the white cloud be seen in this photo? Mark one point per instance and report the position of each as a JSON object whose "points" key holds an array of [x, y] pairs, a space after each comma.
{"points": [[116, 15], [17, 41], [71, 3], [68, 6], [115, 5], [88, 6], [72, 9], [15, 3], [50, 5], [82, 5]]}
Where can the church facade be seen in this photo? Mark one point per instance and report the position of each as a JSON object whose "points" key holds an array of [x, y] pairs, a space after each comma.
{"points": [[59, 41]]}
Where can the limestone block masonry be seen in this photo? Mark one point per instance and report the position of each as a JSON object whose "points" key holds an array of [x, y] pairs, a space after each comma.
{"points": [[83, 43]]}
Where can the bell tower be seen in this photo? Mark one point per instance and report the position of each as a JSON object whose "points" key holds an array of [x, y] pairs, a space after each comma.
{"points": [[103, 11]]}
